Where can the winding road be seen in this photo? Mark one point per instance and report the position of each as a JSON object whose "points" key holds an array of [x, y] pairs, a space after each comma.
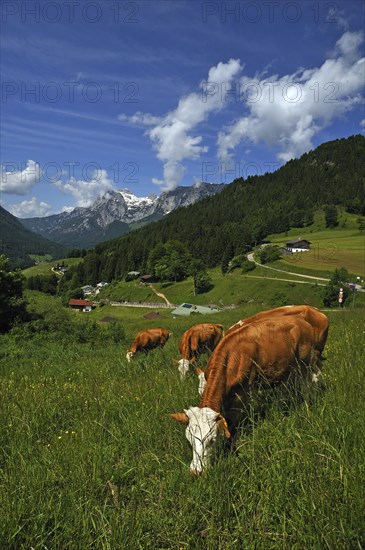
{"points": [[251, 258]]}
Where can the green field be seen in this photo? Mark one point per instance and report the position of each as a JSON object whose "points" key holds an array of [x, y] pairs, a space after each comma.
{"points": [[261, 288], [343, 246], [132, 291], [89, 458], [44, 268]]}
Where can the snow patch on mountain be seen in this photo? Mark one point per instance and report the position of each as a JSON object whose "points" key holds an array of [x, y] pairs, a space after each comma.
{"points": [[121, 206]]}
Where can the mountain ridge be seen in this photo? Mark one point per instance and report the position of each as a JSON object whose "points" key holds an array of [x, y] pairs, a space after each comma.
{"points": [[114, 214]]}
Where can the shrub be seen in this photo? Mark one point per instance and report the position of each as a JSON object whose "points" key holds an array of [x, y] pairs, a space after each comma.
{"points": [[331, 291], [247, 266], [268, 254]]}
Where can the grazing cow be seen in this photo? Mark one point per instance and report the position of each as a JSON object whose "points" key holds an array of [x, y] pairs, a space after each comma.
{"points": [[268, 350], [195, 341], [315, 317], [147, 340]]}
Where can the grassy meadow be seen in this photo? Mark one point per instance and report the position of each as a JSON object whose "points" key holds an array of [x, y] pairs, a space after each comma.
{"points": [[44, 267], [234, 288], [89, 458], [261, 288], [342, 246]]}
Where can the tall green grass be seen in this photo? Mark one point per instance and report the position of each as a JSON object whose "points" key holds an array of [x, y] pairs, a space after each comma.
{"points": [[89, 459]]}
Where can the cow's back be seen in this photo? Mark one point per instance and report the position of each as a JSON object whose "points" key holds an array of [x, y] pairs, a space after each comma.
{"points": [[150, 339], [266, 349], [315, 317], [199, 337]]}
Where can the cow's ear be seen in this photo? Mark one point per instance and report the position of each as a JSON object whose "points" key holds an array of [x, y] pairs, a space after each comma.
{"points": [[192, 360], [222, 426], [180, 417], [175, 360]]}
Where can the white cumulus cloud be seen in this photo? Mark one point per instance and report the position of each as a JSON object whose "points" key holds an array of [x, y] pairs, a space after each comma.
{"points": [[19, 180], [287, 111], [171, 135], [87, 191], [30, 209]]}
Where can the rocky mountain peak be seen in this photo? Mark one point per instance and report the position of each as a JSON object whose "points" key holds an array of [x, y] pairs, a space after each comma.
{"points": [[100, 221]]}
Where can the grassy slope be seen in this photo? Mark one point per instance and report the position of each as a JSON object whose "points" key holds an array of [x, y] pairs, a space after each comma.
{"points": [[76, 417], [234, 288], [331, 248], [342, 246], [44, 268], [132, 291]]}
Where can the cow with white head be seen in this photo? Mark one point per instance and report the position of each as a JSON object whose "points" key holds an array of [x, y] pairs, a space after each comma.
{"points": [[268, 351], [195, 341], [203, 427]]}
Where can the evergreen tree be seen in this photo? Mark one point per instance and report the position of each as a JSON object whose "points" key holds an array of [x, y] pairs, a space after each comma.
{"points": [[227, 257], [331, 216]]}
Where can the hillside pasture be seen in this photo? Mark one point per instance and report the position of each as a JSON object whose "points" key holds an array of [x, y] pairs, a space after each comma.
{"points": [[89, 458], [45, 268], [132, 291], [342, 246], [236, 288]]}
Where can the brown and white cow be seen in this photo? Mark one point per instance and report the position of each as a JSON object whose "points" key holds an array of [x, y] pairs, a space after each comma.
{"points": [[196, 341], [318, 320], [268, 350], [147, 340]]}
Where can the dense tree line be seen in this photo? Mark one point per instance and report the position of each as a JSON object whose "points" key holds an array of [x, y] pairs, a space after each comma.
{"points": [[216, 229], [43, 283], [12, 302]]}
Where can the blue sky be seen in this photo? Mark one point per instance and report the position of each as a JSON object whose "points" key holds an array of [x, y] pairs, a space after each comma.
{"points": [[101, 95]]}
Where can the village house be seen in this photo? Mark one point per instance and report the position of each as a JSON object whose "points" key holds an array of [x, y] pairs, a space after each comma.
{"points": [[298, 245], [87, 290], [81, 305], [146, 279]]}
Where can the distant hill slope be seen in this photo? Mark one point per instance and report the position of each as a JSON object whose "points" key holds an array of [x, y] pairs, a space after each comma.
{"points": [[17, 242], [246, 211], [115, 213]]}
